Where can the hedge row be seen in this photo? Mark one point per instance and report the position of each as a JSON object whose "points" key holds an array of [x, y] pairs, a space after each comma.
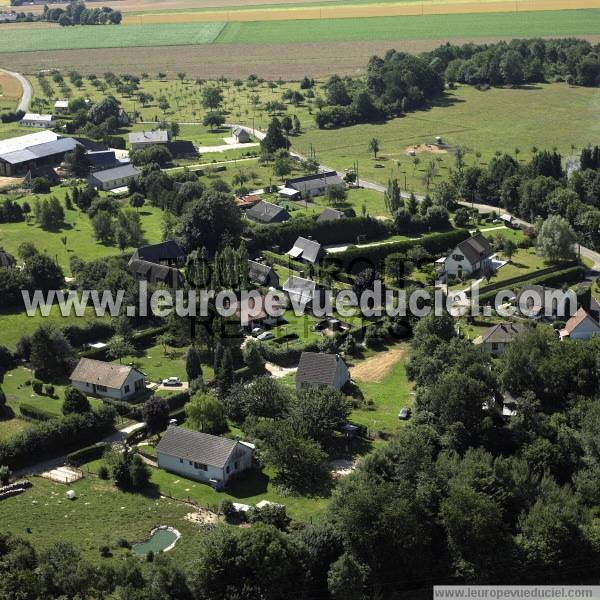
{"points": [[326, 232], [79, 335], [87, 454], [125, 409], [141, 337], [56, 435], [434, 243], [35, 413], [286, 357], [555, 279], [178, 400]]}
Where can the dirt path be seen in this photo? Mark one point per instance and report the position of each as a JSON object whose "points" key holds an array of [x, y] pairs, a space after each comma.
{"points": [[376, 368]]}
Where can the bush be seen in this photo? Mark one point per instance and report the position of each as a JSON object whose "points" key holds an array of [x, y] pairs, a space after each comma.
{"points": [[85, 455], [326, 232], [227, 508], [103, 472], [56, 434], [434, 243], [123, 543], [4, 475], [37, 386], [105, 552], [36, 414], [49, 390]]}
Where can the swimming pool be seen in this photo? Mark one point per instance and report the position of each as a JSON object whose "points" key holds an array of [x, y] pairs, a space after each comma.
{"points": [[162, 539]]}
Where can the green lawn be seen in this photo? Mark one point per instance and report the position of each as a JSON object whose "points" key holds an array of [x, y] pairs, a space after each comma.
{"points": [[99, 516], [23, 39], [481, 122], [388, 395], [158, 366], [524, 261], [78, 231]]}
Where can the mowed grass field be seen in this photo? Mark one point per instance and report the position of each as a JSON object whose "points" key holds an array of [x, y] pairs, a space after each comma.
{"points": [[290, 31], [505, 120]]}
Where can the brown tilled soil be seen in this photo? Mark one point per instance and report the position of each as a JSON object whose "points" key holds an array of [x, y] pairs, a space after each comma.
{"points": [[271, 61], [10, 88], [431, 148], [376, 368]]}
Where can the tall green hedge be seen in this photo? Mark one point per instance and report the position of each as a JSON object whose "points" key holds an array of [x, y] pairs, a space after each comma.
{"points": [[326, 232], [355, 258]]}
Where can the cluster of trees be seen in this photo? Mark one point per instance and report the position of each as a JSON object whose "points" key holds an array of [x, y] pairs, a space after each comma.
{"points": [[48, 213], [519, 62], [76, 13], [12, 212], [538, 189], [157, 154], [99, 121], [40, 272]]}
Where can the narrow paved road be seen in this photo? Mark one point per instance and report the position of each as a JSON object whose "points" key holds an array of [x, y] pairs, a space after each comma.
{"points": [[27, 91]]}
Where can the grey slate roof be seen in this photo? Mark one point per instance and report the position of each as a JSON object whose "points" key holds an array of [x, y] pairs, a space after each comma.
{"points": [[169, 251], [116, 173], [196, 446], [330, 214], [301, 287], [475, 248], [160, 136], [267, 212], [44, 150], [99, 372], [154, 273], [317, 368], [259, 273], [311, 182], [503, 333], [308, 250], [103, 159]]}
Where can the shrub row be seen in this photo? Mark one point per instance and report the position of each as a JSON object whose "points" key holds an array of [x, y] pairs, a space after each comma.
{"points": [[85, 455], [434, 243], [125, 409], [56, 435], [286, 357], [326, 232], [555, 279], [35, 413], [178, 400]]}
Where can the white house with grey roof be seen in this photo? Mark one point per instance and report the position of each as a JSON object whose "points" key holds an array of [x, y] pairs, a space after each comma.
{"points": [[469, 257], [143, 139], [314, 185], [38, 120], [107, 380], [208, 458], [117, 177], [317, 370], [306, 250]]}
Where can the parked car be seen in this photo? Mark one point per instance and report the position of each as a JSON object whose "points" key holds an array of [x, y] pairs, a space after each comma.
{"points": [[404, 414], [257, 331], [173, 381], [322, 324], [267, 335]]}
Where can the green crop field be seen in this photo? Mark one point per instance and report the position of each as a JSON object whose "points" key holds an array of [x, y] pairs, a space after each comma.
{"points": [[123, 36], [527, 24]]}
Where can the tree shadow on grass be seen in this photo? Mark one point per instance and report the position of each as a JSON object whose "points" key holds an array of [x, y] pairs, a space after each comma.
{"points": [[249, 484]]}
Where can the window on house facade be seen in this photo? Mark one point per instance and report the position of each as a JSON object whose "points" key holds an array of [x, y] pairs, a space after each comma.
{"points": [[181, 460], [227, 470], [236, 465], [200, 466], [127, 389], [458, 257], [101, 388]]}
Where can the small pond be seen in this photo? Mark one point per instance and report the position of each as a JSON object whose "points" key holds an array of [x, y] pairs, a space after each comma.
{"points": [[162, 539]]}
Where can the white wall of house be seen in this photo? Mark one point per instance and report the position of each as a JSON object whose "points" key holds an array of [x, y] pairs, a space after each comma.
{"points": [[587, 328], [456, 263], [126, 391], [240, 460], [112, 184]]}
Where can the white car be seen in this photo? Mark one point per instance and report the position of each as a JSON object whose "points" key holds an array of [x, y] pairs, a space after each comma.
{"points": [[172, 381], [257, 331], [267, 335]]}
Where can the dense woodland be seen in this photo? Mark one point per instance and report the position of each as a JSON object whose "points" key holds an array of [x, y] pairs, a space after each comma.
{"points": [[75, 13]]}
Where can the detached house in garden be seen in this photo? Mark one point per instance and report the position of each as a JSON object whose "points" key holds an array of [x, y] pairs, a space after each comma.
{"points": [[581, 326], [116, 177], [496, 339], [168, 253], [107, 380], [306, 250], [203, 457], [468, 258], [267, 213], [143, 139], [317, 370], [314, 185]]}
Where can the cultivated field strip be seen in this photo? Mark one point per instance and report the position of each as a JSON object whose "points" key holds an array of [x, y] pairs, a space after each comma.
{"points": [[435, 7]]}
